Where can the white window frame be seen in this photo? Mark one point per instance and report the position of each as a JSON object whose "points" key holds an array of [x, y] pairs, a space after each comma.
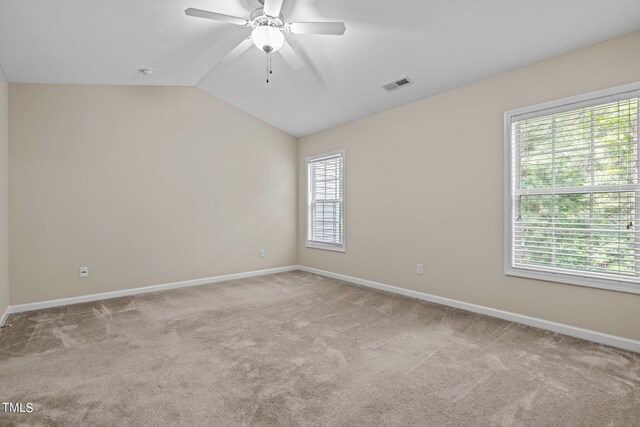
{"points": [[548, 108], [316, 245]]}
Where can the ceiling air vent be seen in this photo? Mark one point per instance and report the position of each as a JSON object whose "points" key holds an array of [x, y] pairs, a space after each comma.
{"points": [[390, 87]]}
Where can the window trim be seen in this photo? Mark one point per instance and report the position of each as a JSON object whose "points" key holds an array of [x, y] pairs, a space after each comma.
{"points": [[315, 245], [547, 108]]}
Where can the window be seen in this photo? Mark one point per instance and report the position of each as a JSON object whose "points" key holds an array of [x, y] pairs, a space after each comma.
{"points": [[325, 201], [573, 194]]}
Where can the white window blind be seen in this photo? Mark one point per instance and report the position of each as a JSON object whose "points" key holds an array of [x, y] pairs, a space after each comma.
{"points": [[575, 192], [326, 201]]}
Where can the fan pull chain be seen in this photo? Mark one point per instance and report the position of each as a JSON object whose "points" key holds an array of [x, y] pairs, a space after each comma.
{"points": [[269, 68]]}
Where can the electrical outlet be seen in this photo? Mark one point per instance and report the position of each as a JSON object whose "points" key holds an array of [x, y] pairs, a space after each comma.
{"points": [[419, 269], [263, 253], [84, 271]]}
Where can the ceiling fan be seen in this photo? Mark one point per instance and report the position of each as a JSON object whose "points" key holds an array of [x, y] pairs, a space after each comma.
{"points": [[268, 28]]}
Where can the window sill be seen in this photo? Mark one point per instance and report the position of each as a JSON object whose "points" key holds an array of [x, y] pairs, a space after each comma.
{"points": [[570, 279], [325, 247]]}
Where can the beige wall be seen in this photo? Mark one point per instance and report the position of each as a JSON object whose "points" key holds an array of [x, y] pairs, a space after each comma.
{"points": [[144, 185], [424, 184], [4, 198]]}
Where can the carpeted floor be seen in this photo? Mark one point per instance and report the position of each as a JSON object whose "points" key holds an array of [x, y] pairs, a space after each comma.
{"points": [[300, 349]]}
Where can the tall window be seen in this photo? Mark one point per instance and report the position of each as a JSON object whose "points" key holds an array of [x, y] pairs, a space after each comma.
{"points": [[574, 193], [325, 201]]}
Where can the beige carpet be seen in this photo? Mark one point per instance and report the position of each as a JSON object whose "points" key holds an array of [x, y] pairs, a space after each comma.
{"points": [[299, 349]]}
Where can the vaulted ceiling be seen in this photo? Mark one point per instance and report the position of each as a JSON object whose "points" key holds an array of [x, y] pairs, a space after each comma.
{"points": [[440, 44]]}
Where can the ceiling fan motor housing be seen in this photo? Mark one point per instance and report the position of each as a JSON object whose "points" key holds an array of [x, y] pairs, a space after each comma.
{"points": [[258, 18]]}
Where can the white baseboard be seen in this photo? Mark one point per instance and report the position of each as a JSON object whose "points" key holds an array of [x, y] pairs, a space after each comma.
{"points": [[6, 314], [154, 288], [585, 334]]}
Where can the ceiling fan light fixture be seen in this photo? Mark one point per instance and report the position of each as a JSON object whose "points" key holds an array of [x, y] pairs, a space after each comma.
{"points": [[267, 38], [268, 26]]}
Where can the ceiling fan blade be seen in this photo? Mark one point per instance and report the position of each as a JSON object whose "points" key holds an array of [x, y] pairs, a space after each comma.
{"points": [[291, 56], [335, 28], [237, 51], [272, 7], [216, 16]]}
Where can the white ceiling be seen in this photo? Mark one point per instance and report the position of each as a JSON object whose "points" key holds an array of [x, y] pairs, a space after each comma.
{"points": [[440, 44]]}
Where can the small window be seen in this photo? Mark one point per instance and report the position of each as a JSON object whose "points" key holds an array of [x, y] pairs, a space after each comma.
{"points": [[573, 195], [325, 201]]}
